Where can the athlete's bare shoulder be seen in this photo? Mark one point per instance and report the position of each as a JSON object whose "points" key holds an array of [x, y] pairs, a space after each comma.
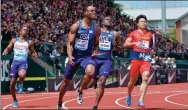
{"points": [[75, 26], [116, 34], [149, 32], [77, 23], [31, 41], [13, 40], [134, 31]]}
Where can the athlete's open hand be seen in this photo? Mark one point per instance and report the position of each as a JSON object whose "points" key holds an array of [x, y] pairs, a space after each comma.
{"points": [[34, 55], [138, 44], [5, 52], [94, 54], [71, 62]]}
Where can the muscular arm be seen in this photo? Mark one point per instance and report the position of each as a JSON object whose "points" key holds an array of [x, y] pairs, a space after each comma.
{"points": [[71, 38], [118, 41], [97, 33], [128, 43], [32, 49], [9, 47]]}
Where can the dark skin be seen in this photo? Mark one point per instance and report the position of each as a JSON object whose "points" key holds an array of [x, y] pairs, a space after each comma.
{"points": [[89, 15], [107, 23], [22, 72], [106, 28]]}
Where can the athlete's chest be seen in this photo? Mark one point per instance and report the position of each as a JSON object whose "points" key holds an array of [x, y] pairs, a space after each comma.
{"points": [[21, 48], [85, 34], [84, 39], [145, 37], [106, 37], [18, 45]]}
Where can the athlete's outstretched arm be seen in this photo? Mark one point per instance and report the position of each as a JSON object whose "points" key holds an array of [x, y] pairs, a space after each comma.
{"points": [[70, 41], [9, 47], [118, 41], [32, 49]]}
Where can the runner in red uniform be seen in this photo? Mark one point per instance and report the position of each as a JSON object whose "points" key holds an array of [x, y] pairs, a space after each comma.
{"points": [[140, 41]]}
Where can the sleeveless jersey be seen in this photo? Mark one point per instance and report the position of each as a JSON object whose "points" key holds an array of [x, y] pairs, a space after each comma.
{"points": [[106, 40], [21, 50], [84, 41]]}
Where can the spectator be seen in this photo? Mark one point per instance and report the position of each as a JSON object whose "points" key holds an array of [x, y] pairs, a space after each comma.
{"points": [[49, 22]]}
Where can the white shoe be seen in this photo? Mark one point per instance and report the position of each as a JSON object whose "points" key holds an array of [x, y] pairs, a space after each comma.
{"points": [[79, 97]]}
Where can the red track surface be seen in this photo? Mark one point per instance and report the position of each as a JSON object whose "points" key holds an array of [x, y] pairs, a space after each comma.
{"points": [[170, 96]]}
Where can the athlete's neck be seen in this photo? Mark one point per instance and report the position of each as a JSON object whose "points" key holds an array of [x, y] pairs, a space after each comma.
{"points": [[22, 38], [142, 30], [87, 22], [106, 29]]}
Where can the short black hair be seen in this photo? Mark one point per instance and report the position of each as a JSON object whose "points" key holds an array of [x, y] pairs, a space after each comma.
{"points": [[86, 6], [139, 17]]}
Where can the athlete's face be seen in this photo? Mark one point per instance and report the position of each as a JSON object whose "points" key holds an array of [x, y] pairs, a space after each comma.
{"points": [[107, 21], [90, 12], [24, 31], [142, 23]]}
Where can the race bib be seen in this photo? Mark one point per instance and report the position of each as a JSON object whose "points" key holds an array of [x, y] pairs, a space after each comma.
{"points": [[144, 44], [81, 44], [104, 45]]}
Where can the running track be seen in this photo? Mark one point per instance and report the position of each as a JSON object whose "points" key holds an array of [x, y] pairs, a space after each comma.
{"points": [[169, 96]]}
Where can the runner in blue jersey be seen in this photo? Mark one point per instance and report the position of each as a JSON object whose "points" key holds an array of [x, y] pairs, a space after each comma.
{"points": [[22, 47], [103, 55], [81, 40]]}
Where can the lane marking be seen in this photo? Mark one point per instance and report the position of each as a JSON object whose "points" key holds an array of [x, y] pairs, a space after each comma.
{"points": [[29, 101], [175, 103], [117, 101], [110, 93], [64, 107]]}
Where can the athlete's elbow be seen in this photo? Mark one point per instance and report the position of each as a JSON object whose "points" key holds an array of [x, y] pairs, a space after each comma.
{"points": [[119, 48], [125, 45], [7, 49], [69, 44]]}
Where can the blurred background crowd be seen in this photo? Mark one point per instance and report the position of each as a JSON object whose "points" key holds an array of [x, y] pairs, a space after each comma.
{"points": [[49, 22]]}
